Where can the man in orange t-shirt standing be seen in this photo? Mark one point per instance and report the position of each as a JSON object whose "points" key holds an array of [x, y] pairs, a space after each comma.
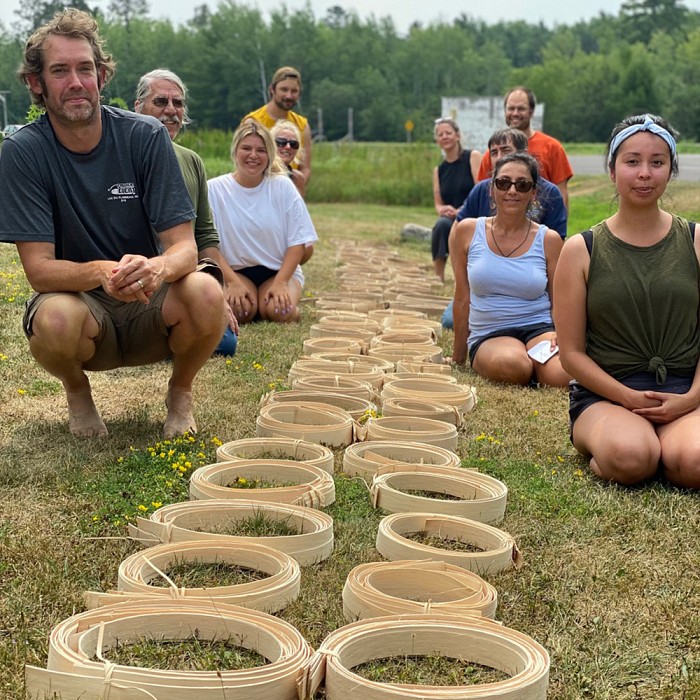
{"points": [[519, 105]]}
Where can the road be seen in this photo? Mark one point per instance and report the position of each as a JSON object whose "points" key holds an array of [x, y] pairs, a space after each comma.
{"points": [[595, 165]]}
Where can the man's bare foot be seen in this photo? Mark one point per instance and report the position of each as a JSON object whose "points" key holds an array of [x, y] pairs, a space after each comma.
{"points": [[83, 419], [180, 419]]}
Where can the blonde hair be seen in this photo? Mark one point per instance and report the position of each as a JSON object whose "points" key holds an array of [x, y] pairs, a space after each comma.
{"points": [[286, 125], [249, 127]]}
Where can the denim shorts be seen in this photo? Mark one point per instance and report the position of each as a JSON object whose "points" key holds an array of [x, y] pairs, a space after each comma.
{"points": [[581, 398], [524, 334]]}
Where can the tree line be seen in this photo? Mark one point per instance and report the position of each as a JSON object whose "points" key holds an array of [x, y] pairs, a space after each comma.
{"points": [[589, 74]]}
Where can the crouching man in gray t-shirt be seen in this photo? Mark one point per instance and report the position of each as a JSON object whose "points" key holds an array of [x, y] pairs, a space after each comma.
{"points": [[84, 189]]}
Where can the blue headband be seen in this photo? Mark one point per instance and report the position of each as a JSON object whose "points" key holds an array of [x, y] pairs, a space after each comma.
{"points": [[648, 125]]}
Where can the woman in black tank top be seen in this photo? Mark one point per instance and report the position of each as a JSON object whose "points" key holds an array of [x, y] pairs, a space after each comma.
{"points": [[453, 180]]}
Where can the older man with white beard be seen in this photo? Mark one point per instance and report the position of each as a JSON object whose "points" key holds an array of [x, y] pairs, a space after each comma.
{"points": [[161, 94]]}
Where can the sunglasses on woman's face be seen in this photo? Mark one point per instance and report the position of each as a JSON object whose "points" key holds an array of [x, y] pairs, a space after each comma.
{"points": [[293, 143], [505, 183]]}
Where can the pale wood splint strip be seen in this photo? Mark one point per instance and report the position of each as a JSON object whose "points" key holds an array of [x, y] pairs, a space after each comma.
{"points": [[478, 640], [420, 408], [432, 389], [341, 384], [199, 520], [409, 587], [78, 667], [315, 422], [270, 594], [364, 458], [412, 429], [480, 496], [310, 486], [356, 406], [277, 448], [497, 548]]}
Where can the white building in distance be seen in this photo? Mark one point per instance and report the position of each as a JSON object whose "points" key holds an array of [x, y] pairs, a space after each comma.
{"points": [[479, 117]]}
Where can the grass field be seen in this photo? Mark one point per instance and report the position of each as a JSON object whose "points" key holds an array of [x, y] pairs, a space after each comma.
{"points": [[611, 582]]}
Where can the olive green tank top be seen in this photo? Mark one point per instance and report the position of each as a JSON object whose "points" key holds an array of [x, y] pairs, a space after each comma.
{"points": [[643, 304]]}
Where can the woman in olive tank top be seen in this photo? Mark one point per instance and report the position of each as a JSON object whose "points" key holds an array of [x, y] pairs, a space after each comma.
{"points": [[627, 321]]}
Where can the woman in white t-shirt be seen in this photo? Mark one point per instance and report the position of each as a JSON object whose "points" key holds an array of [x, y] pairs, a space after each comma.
{"points": [[264, 228]]}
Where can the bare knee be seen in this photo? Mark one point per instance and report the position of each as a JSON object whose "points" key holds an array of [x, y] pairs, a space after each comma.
{"points": [[269, 313], [504, 367], [197, 300], [682, 465], [552, 374], [626, 462], [242, 317], [61, 323]]}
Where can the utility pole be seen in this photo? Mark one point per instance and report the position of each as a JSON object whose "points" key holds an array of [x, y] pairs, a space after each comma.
{"points": [[4, 107], [320, 136]]}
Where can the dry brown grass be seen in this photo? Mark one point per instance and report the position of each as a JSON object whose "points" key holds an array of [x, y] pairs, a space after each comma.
{"points": [[610, 586]]}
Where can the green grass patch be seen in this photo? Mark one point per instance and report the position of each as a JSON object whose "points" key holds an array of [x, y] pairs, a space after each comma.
{"points": [[185, 655], [259, 525], [142, 480], [610, 580], [434, 669], [193, 574], [446, 543]]}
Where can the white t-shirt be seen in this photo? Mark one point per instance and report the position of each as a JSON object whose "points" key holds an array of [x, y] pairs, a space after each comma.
{"points": [[258, 224]]}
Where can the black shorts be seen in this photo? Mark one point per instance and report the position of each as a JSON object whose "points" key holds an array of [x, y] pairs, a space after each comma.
{"points": [[524, 334], [257, 274], [581, 398]]}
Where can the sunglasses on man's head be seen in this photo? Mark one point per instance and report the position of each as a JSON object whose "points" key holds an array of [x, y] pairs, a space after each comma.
{"points": [[163, 102], [505, 183], [293, 143]]}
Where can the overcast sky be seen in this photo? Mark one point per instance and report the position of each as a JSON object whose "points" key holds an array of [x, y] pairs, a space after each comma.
{"points": [[403, 12]]}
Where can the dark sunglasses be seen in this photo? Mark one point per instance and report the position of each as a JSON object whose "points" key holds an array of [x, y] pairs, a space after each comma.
{"points": [[293, 143], [163, 102], [505, 183]]}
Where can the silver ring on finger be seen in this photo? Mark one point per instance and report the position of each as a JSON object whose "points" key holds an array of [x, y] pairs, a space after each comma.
{"points": [[140, 283]]}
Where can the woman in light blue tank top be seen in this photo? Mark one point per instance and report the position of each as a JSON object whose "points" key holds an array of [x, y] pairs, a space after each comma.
{"points": [[503, 267]]}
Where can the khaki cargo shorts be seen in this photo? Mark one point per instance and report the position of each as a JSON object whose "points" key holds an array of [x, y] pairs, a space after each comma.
{"points": [[130, 335]]}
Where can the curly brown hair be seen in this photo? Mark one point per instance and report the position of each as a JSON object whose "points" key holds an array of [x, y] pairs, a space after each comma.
{"points": [[71, 23]]}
